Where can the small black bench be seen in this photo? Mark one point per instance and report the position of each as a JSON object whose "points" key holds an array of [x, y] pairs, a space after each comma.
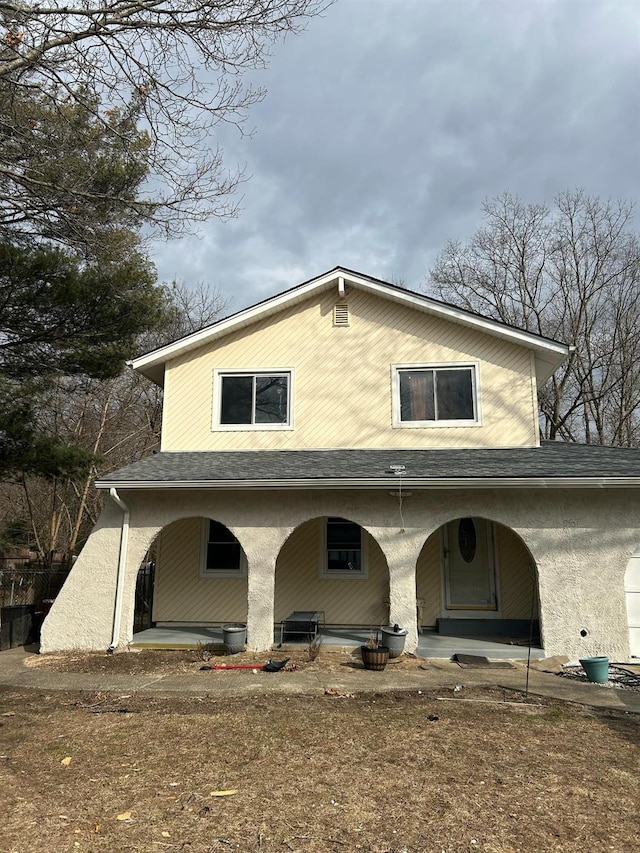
{"points": [[301, 625]]}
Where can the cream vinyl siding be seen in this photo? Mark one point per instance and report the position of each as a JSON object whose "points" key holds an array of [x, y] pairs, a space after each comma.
{"points": [[343, 380], [429, 580], [181, 594], [345, 601], [516, 576]]}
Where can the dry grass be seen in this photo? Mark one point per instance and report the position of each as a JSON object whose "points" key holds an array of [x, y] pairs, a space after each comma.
{"points": [[371, 773], [310, 658]]}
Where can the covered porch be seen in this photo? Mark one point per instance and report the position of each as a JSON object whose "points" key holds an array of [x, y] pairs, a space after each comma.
{"points": [[528, 568], [431, 644], [337, 567]]}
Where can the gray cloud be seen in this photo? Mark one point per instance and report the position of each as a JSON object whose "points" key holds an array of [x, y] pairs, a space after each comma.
{"points": [[389, 121]]}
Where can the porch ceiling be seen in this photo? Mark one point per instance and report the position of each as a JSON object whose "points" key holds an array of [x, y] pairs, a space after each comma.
{"points": [[553, 464]]}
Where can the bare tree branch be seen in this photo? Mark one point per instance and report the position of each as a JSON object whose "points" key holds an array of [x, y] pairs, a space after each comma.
{"points": [[569, 273], [181, 62]]}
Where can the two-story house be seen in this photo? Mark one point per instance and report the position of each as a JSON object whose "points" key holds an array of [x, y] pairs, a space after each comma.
{"points": [[353, 448]]}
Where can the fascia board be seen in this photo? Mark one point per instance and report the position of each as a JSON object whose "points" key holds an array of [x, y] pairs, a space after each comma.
{"points": [[146, 363], [406, 482], [549, 353]]}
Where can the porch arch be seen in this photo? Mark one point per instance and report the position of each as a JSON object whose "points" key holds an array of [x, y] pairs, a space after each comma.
{"points": [[510, 567], [302, 583], [201, 574]]}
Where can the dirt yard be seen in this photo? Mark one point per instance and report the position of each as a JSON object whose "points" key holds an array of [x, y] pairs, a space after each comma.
{"points": [[393, 773], [190, 661]]}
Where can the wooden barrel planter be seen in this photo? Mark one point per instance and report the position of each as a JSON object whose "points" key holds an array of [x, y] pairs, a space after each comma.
{"points": [[375, 659]]}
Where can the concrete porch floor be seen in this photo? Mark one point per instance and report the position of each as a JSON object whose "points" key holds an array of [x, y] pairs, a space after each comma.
{"points": [[430, 644]]}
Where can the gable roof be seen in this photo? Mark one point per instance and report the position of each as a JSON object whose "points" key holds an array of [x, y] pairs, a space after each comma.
{"points": [[552, 465], [549, 354]]}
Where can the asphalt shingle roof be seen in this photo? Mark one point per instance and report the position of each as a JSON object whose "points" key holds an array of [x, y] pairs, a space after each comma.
{"points": [[551, 461]]}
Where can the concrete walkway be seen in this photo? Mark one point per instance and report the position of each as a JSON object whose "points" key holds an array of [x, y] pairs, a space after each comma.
{"points": [[15, 673]]}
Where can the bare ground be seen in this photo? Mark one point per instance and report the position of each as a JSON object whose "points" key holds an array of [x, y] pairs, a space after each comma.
{"points": [[188, 661], [392, 773]]}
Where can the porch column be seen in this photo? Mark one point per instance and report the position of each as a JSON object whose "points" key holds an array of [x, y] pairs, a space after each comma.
{"points": [[261, 546], [401, 551]]}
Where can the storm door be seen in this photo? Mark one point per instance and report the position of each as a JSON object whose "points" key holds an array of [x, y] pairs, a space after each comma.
{"points": [[469, 566], [142, 617], [632, 595]]}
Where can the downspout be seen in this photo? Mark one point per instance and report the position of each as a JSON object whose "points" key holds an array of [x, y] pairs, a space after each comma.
{"points": [[122, 560]]}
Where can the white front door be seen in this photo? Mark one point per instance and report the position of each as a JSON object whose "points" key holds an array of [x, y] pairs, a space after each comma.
{"points": [[469, 566], [632, 595]]}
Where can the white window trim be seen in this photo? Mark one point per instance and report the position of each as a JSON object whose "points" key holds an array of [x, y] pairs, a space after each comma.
{"points": [[218, 373], [397, 423], [324, 572], [218, 573]]}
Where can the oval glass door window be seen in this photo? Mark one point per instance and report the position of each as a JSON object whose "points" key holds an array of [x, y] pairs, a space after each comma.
{"points": [[467, 539]]}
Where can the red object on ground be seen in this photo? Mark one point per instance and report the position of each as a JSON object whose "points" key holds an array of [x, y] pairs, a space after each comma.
{"points": [[269, 666]]}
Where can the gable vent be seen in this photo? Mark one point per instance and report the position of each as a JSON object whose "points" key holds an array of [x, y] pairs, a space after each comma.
{"points": [[341, 314]]}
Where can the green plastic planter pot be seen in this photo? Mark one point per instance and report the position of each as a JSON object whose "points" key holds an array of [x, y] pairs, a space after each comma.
{"points": [[596, 669]]}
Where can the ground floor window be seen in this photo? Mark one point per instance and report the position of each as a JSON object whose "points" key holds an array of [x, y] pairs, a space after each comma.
{"points": [[222, 554], [344, 551]]}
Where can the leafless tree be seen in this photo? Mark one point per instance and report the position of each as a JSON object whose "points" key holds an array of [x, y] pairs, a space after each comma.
{"points": [[117, 419], [571, 273], [177, 65], [194, 307]]}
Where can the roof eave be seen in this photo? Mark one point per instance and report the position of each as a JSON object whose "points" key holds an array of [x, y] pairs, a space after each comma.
{"points": [[386, 483], [549, 354]]}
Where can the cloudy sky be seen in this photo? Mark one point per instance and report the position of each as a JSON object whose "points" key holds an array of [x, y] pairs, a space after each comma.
{"points": [[388, 122]]}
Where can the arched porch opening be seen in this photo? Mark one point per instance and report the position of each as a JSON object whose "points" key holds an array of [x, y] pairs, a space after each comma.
{"points": [[200, 576], [332, 566], [143, 603], [476, 577]]}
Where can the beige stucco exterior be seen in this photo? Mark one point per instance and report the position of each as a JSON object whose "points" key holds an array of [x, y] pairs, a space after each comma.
{"points": [[343, 380], [580, 542]]}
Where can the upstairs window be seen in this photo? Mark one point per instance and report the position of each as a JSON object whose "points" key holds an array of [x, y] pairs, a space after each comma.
{"points": [[440, 395], [260, 400]]}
